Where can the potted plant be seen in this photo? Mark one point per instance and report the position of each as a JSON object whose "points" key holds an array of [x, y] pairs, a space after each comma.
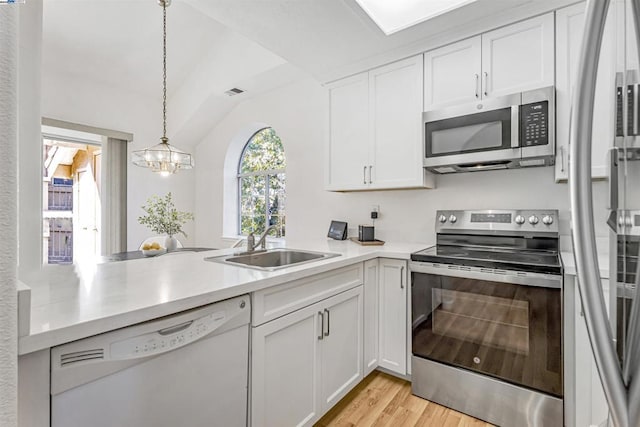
{"points": [[162, 217]]}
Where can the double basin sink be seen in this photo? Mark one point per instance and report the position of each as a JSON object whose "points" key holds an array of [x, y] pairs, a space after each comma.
{"points": [[272, 259]]}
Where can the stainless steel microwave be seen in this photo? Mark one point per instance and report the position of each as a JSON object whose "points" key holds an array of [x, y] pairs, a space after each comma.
{"points": [[508, 132]]}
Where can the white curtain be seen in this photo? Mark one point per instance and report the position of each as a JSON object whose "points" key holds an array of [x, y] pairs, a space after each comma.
{"points": [[8, 215], [114, 206]]}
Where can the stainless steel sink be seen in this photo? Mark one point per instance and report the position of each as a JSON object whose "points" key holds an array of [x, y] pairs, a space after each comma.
{"points": [[272, 259]]}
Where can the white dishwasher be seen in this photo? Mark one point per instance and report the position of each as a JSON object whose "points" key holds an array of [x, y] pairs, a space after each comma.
{"points": [[188, 369]]}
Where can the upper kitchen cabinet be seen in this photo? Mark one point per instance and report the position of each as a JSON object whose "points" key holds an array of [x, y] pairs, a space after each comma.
{"points": [[452, 74], [348, 148], [569, 31], [518, 57], [511, 59], [375, 136]]}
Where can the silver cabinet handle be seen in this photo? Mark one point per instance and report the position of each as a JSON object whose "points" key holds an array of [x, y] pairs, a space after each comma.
{"points": [[477, 88], [370, 181], [321, 315], [326, 334], [364, 175], [486, 80], [562, 159], [582, 220], [402, 277]]}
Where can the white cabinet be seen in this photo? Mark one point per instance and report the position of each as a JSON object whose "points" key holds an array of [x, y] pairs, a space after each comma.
{"points": [[518, 57], [586, 404], [375, 130], [371, 311], [341, 347], [511, 59], [452, 74], [393, 315], [304, 362], [348, 147], [569, 29], [395, 154]]}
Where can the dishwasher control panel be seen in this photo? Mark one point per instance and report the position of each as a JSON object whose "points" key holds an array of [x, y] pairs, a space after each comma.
{"points": [[167, 339]]}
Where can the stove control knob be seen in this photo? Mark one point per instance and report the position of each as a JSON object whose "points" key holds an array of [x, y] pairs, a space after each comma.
{"points": [[520, 220], [547, 220], [452, 219], [533, 220], [442, 219]]}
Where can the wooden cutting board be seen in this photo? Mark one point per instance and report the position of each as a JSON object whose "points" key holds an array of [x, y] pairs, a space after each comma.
{"points": [[369, 243]]}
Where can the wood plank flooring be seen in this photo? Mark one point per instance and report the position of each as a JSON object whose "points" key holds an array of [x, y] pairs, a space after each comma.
{"points": [[383, 400]]}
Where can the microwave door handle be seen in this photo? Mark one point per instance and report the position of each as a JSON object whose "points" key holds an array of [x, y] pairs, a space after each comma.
{"points": [[515, 126], [583, 233]]}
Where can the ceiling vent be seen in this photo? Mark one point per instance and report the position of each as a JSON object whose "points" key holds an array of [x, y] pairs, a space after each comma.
{"points": [[234, 91]]}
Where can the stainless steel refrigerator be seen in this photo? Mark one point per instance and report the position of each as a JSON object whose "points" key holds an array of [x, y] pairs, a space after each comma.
{"points": [[614, 336]]}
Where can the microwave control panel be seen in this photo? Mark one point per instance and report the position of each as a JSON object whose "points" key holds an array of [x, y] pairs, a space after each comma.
{"points": [[534, 124]]}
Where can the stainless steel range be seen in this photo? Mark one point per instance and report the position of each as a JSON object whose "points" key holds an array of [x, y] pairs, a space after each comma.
{"points": [[487, 316]]}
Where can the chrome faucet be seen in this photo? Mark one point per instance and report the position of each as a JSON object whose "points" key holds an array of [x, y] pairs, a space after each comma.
{"points": [[262, 242]]}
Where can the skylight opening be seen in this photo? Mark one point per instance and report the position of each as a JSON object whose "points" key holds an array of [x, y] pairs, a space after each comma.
{"points": [[395, 15]]}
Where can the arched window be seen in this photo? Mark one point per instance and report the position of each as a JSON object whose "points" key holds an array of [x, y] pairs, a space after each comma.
{"points": [[261, 184]]}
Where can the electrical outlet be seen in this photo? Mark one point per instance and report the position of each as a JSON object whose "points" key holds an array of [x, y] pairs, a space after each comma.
{"points": [[375, 211]]}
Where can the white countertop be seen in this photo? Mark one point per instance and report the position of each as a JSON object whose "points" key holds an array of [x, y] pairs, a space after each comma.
{"points": [[569, 263], [76, 301]]}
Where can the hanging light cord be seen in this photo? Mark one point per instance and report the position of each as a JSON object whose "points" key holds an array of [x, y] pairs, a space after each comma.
{"points": [[164, 71]]}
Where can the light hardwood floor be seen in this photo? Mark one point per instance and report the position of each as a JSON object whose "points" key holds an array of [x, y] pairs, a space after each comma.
{"points": [[384, 400]]}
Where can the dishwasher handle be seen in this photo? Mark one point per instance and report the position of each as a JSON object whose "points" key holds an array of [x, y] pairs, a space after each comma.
{"points": [[173, 329]]}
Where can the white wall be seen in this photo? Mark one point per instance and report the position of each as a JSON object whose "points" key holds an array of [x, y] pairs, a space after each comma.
{"points": [[88, 103], [298, 114]]}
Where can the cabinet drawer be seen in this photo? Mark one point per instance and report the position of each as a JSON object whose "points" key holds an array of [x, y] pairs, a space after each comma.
{"points": [[271, 303]]}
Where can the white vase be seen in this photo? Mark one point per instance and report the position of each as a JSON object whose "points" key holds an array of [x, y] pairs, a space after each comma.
{"points": [[171, 243]]}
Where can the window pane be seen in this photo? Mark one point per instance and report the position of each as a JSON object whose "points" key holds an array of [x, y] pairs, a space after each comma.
{"points": [[252, 204], [277, 201], [263, 152]]}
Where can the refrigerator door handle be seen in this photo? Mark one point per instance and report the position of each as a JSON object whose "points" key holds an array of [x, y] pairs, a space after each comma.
{"points": [[631, 366], [583, 233]]}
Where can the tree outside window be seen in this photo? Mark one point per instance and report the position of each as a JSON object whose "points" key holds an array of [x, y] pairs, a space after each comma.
{"points": [[261, 181]]}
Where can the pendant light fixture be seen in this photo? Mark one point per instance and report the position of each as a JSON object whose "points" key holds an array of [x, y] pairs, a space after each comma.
{"points": [[163, 157]]}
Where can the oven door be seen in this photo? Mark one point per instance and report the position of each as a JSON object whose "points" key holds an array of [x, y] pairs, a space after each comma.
{"points": [[478, 133], [492, 324]]}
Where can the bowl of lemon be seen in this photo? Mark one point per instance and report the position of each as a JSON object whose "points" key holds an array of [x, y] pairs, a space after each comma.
{"points": [[153, 249]]}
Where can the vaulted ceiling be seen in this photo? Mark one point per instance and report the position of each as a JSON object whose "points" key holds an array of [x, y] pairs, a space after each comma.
{"points": [[257, 45]]}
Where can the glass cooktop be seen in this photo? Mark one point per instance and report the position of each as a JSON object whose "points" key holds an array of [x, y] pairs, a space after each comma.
{"points": [[535, 261]]}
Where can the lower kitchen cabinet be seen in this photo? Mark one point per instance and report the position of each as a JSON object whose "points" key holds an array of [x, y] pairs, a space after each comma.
{"points": [[305, 362], [584, 396], [393, 315], [371, 311]]}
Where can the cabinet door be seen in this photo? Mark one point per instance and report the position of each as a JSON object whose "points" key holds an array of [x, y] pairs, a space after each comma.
{"points": [[341, 348], [371, 307], [569, 29], [393, 315], [452, 74], [348, 148], [518, 57], [591, 404], [285, 370], [395, 96]]}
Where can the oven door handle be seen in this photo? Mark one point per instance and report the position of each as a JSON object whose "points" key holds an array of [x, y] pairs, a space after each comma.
{"points": [[539, 280]]}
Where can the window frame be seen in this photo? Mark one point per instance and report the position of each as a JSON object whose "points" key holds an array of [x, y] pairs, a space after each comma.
{"points": [[265, 173]]}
